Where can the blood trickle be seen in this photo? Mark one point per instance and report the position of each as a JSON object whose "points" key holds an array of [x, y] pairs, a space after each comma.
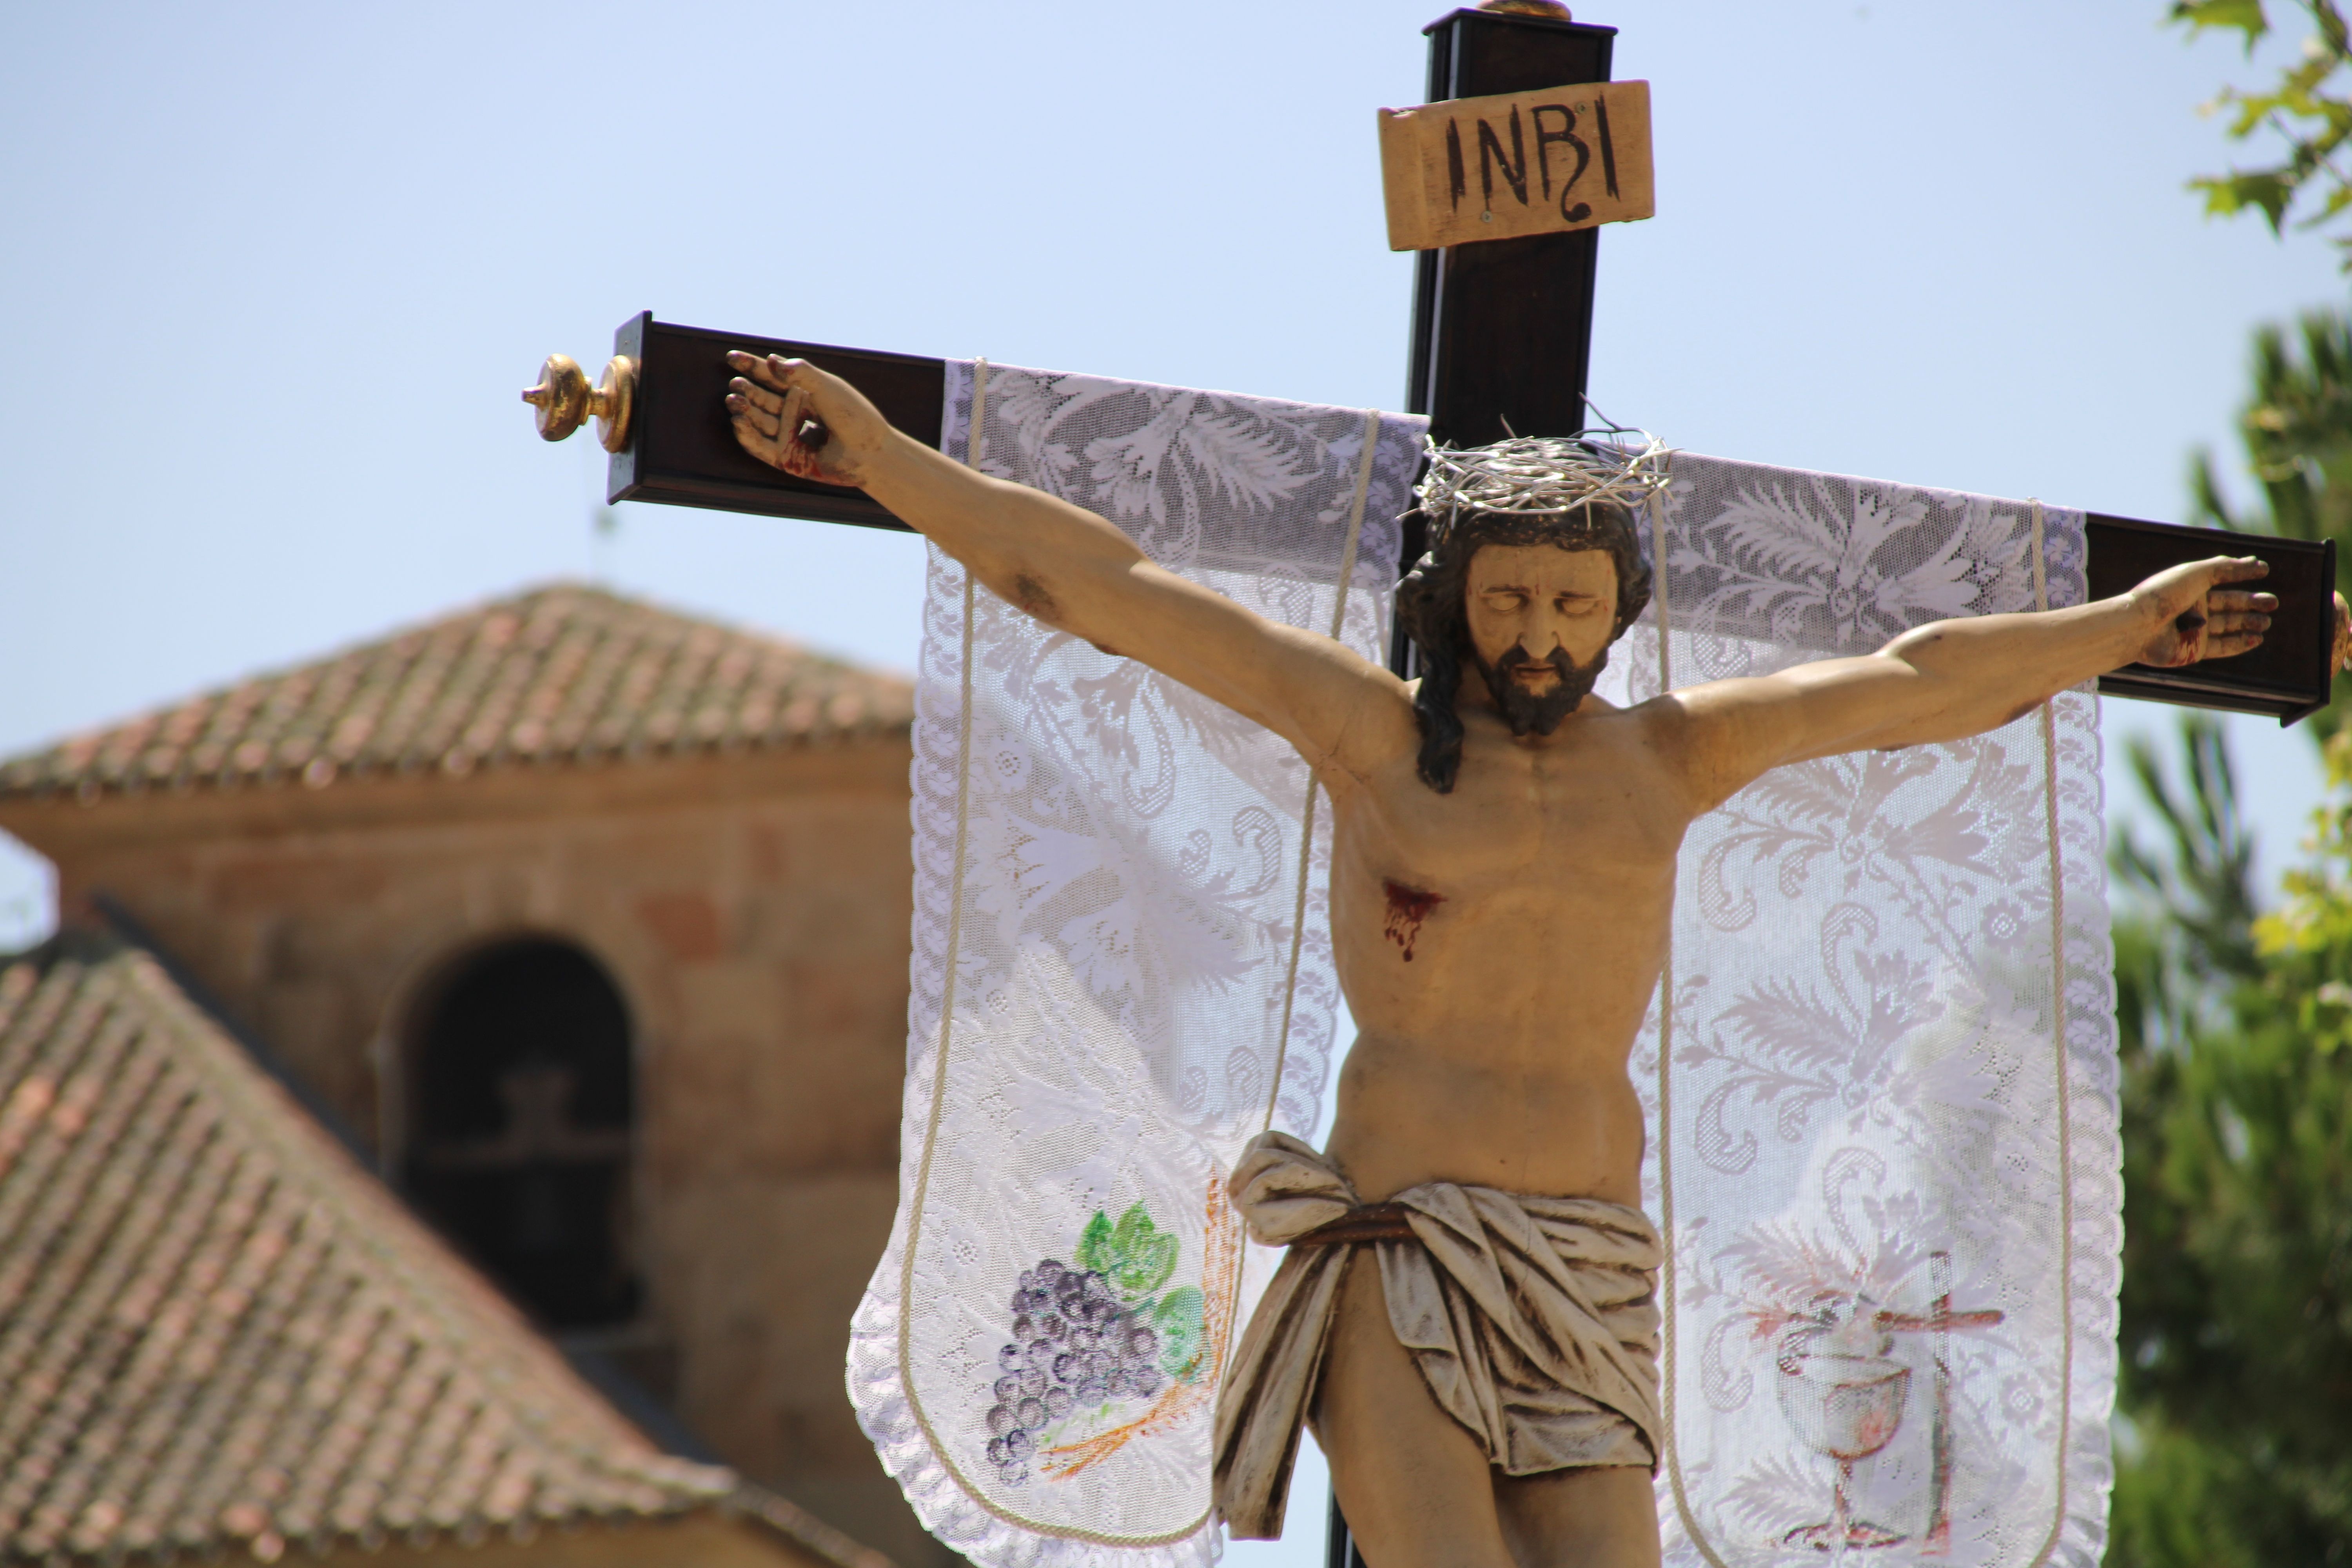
{"points": [[1408, 907], [800, 455]]}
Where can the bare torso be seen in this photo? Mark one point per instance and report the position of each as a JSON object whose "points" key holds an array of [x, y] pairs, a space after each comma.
{"points": [[1498, 947]]}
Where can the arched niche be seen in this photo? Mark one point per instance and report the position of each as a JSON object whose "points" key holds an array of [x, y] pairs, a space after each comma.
{"points": [[521, 1112]]}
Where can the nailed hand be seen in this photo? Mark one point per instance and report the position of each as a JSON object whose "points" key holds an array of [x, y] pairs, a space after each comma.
{"points": [[793, 416], [2199, 615]]}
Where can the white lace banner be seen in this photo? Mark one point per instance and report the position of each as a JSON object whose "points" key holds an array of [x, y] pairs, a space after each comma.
{"points": [[1122, 972], [1885, 1139]]}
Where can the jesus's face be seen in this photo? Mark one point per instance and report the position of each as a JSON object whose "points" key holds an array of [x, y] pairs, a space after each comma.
{"points": [[1540, 621]]}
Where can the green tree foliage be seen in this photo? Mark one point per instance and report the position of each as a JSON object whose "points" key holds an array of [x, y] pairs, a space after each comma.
{"points": [[2306, 112], [2297, 426], [2297, 432], [2235, 1393], [2236, 1378]]}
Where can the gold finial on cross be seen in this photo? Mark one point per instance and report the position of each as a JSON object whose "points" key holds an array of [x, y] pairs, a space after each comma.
{"points": [[1552, 9]]}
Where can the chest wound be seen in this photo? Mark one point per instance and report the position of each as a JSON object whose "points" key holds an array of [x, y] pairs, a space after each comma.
{"points": [[1408, 907]]}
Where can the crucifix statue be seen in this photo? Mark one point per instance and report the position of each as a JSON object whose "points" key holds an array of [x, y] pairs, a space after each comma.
{"points": [[1491, 818], [1505, 845]]}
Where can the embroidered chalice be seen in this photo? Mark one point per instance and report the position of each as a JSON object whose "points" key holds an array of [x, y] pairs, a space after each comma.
{"points": [[1844, 1397]]}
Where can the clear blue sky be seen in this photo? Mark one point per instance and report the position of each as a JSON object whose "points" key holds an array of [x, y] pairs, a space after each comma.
{"points": [[276, 273]]}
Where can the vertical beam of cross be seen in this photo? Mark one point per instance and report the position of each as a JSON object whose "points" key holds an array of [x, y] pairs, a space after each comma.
{"points": [[1502, 331]]}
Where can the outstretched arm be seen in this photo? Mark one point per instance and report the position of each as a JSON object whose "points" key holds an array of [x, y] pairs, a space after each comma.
{"points": [[1960, 678], [1067, 567]]}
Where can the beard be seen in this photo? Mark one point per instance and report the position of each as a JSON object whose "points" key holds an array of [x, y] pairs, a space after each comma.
{"points": [[1526, 711]]}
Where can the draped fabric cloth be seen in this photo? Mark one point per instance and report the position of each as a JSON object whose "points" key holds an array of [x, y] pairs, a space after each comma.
{"points": [[1880, 1073], [1122, 972], [1534, 1322]]}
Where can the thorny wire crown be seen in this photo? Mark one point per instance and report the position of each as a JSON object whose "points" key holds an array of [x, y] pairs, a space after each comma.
{"points": [[1541, 474]]}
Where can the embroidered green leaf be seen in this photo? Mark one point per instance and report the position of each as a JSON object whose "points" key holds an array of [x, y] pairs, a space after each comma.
{"points": [[1178, 1320], [1147, 1254], [1135, 1256], [1095, 1243]]}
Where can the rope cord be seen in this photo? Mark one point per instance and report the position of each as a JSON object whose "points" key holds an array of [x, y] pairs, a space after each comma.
{"points": [[2060, 1066]]}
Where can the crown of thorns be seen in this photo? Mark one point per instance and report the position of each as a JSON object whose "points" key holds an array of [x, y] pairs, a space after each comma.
{"points": [[1536, 475]]}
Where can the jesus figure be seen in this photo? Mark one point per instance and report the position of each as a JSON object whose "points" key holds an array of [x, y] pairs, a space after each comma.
{"points": [[1502, 882]]}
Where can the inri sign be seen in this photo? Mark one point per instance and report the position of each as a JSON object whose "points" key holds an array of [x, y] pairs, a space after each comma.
{"points": [[1519, 163]]}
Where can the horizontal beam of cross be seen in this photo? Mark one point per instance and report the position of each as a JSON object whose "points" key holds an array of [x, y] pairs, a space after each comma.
{"points": [[680, 450]]}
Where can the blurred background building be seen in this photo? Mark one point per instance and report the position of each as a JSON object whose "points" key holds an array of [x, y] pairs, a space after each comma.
{"points": [[585, 925]]}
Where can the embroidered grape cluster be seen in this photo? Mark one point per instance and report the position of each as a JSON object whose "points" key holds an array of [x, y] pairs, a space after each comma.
{"points": [[1089, 1334], [1073, 1345]]}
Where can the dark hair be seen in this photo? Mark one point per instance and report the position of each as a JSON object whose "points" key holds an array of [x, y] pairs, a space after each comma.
{"points": [[1431, 609]]}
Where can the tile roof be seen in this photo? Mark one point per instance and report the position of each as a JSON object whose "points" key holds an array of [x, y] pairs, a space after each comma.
{"points": [[564, 674], [217, 1332]]}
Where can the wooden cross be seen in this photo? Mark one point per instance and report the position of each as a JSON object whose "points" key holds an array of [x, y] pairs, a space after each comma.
{"points": [[1502, 334]]}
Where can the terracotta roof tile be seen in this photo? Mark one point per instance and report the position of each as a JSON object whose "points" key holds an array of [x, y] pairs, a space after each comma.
{"points": [[562, 675], [217, 1332]]}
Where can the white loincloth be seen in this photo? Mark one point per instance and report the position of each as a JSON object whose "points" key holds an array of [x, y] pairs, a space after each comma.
{"points": [[1534, 1322]]}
